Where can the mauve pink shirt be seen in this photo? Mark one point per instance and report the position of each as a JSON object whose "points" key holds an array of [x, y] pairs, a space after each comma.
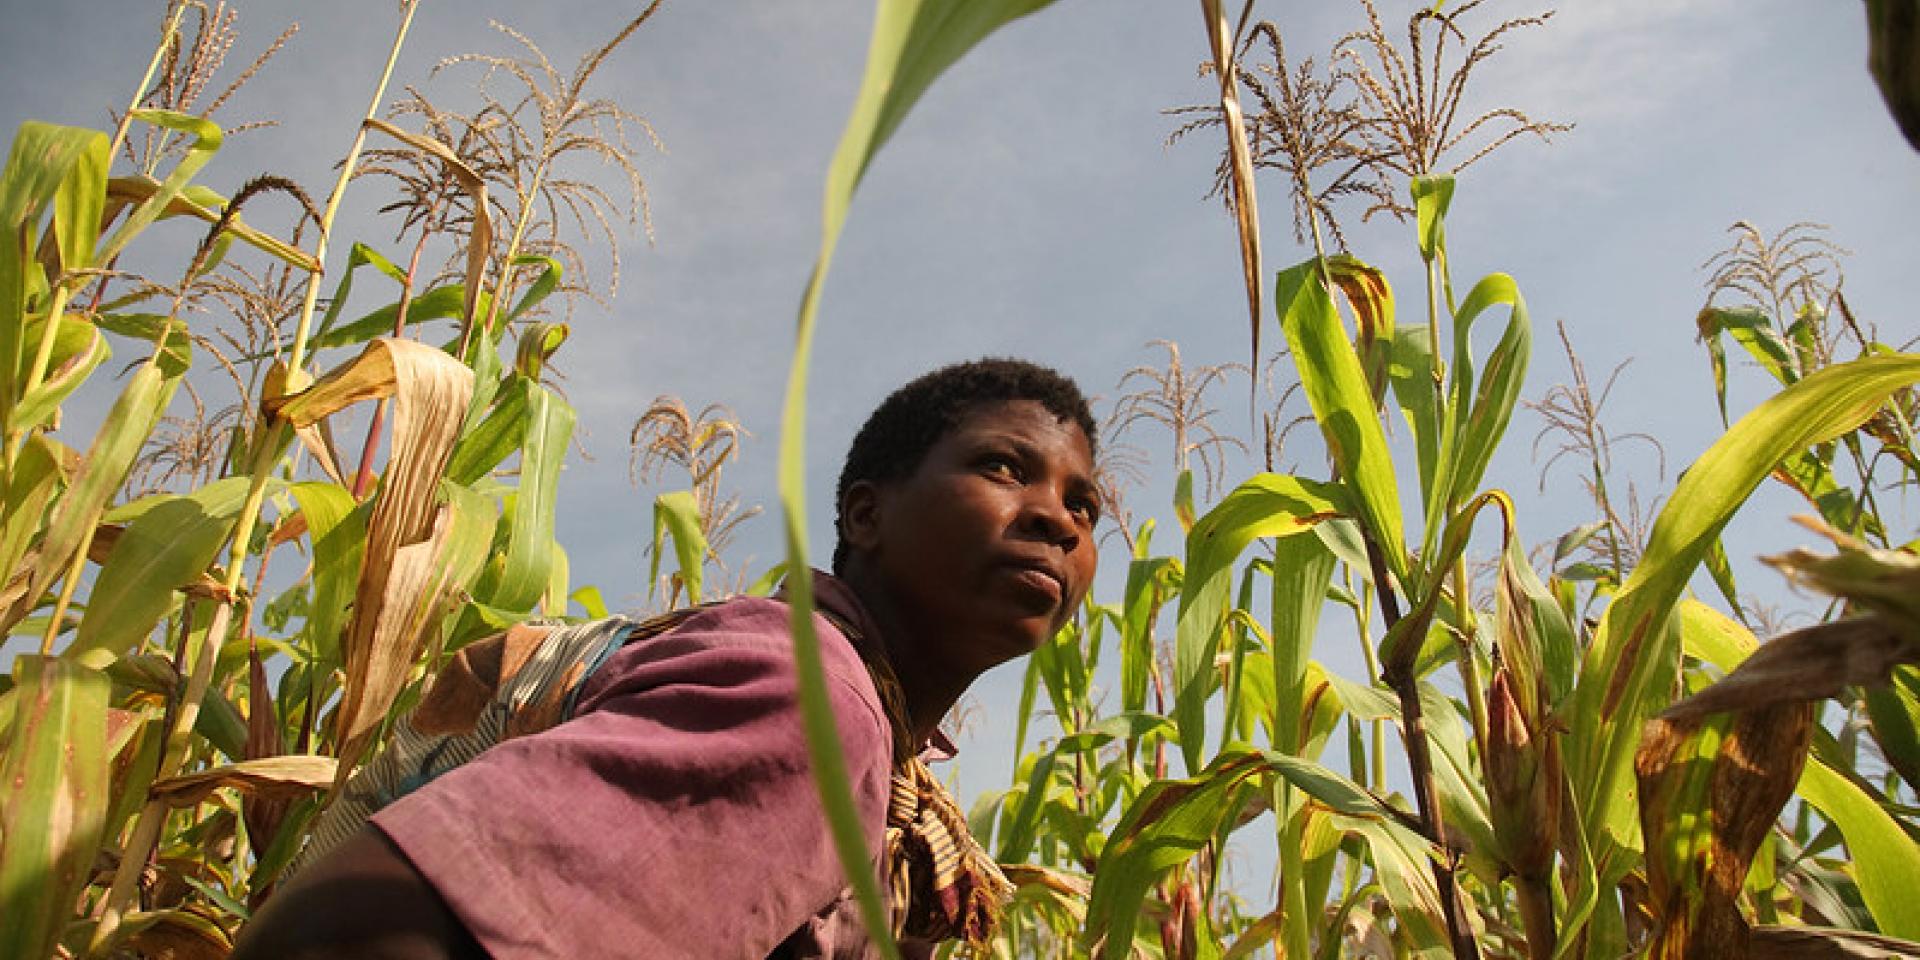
{"points": [[675, 815]]}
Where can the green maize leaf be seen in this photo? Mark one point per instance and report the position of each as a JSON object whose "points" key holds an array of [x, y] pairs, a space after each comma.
{"points": [[1183, 510], [1431, 197], [1017, 841], [678, 514], [1709, 635], [77, 349], [1466, 447], [1410, 645], [1301, 571], [913, 42], [1537, 641], [37, 476], [175, 344], [207, 205], [1753, 329], [1574, 539], [440, 303], [1894, 712], [1574, 905], [529, 556], [537, 344], [1810, 474], [1337, 389], [1239, 624], [542, 288], [765, 584], [338, 528], [1266, 505], [1802, 334], [1029, 692], [1065, 673], [48, 164], [1633, 649], [488, 442], [359, 256], [554, 602], [1410, 371], [1303, 567], [590, 601], [125, 429], [1885, 859], [1721, 570], [1172, 819], [1256, 686], [164, 549], [78, 203], [53, 799], [1149, 583], [206, 139]]}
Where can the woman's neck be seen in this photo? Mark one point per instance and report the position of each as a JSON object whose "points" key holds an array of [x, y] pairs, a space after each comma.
{"points": [[929, 685]]}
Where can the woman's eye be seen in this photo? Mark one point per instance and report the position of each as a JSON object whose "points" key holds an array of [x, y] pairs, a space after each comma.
{"points": [[999, 467], [1085, 509]]}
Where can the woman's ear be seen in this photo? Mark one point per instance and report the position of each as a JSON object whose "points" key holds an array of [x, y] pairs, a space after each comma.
{"points": [[860, 515]]}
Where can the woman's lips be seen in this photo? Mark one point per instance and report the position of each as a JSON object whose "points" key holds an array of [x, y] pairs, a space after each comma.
{"points": [[1040, 581]]}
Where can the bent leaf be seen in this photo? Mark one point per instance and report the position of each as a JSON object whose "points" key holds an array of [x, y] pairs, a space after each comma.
{"points": [[285, 777], [1267, 505], [1886, 861], [430, 391], [1634, 646], [530, 545], [913, 42], [164, 549], [125, 429], [1336, 387]]}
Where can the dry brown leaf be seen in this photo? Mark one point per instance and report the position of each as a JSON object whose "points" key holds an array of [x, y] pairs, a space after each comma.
{"points": [[290, 776], [1821, 943], [1246, 207], [399, 596], [480, 240], [1710, 790], [1808, 664]]}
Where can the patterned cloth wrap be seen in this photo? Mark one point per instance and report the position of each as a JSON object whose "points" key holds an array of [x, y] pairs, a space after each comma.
{"points": [[944, 886]]}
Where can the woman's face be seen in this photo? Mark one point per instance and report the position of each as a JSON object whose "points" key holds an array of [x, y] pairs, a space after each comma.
{"points": [[988, 545]]}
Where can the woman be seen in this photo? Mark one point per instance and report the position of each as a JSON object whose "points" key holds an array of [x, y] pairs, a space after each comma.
{"points": [[674, 814]]}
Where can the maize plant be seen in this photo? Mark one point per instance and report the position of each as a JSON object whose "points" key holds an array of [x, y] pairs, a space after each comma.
{"points": [[185, 715], [1624, 768]]}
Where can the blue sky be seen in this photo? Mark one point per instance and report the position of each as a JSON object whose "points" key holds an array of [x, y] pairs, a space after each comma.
{"points": [[1030, 206]]}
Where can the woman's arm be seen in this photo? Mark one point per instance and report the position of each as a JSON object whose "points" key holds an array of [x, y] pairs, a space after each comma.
{"points": [[363, 900]]}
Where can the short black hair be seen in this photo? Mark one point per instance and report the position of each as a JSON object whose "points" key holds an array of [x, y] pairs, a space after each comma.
{"points": [[898, 434]]}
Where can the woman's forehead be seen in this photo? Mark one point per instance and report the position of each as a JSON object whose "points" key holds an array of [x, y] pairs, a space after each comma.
{"points": [[1018, 416]]}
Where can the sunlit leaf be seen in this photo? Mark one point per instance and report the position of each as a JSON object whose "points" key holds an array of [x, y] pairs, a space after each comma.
{"points": [[1342, 404], [1886, 860], [1266, 505], [1635, 647], [163, 550], [913, 42], [543, 448], [53, 799], [121, 435], [678, 514], [286, 777]]}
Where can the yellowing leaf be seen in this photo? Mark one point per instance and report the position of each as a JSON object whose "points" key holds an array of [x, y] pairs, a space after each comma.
{"points": [[285, 776], [399, 595]]}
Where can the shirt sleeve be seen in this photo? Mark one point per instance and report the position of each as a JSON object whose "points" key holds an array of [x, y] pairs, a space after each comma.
{"points": [[674, 816]]}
